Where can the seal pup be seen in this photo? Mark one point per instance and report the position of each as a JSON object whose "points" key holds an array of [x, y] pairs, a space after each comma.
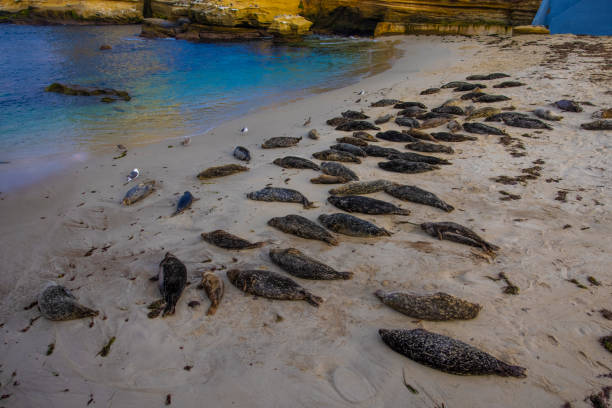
{"points": [[446, 354], [184, 203], [221, 171], [213, 285], [57, 303], [350, 225], [351, 114], [438, 307], [302, 227], [293, 162], [349, 148], [384, 102], [284, 195], [417, 195], [408, 167], [454, 126], [429, 148], [172, 279], [302, 266], [336, 155], [226, 240], [271, 285], [366, 205], [361, 187], [546, 114], [598, 125], [452, 137], [356, 141], [338, 170], [242, 153], [482, 129], [282, 141], [313, 134], [457, 233], [354, 125], [138, 192]]}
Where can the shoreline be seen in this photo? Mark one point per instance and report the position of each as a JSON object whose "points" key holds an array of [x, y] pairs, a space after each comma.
{"points": [[257, 352]]}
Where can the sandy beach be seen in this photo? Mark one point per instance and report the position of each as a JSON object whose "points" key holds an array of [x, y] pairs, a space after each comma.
{"points": [[72, 229]]}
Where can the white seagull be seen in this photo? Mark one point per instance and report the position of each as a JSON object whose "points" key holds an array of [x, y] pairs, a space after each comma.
{"points": [[133, 174], [362, 92], [244, 130]]}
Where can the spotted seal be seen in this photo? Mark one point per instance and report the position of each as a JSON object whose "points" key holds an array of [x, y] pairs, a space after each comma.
{"points": [[336, 155], [452, 137], [429, 148], [457, 233], [138, 192], [438, 307], [281, 141], [378, 151], [221, 171], [485, 112], [365, 136], [172, 279], [271, 285], [283, 195], [351, 114], [417, 195], [482, 129], [546, 114], [293, 162], [302, 227], [407, 122], [430, 91], [327, 179], [411, 112], [338, 170], [184, 203], [383, 119], [349, 148], [213, 285], [435, 122], [355, 141], [406, 105], [509, 84], [337, 121], [384, 102], [366, 205], [446, 354], [396, 136], [350, 225], [491, 98], [403, 166], [354, 125], [226, 240], [600, 124], [487, 77], [526, 123], [361, 187], [57, 303], [416, 157], [242, 153], [302, 266]]}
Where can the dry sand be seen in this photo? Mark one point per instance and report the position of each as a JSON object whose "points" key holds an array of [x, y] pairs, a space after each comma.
{"points": [[262, 353]]}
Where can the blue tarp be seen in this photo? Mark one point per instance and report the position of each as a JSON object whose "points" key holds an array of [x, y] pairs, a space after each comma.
{"points": [[576, 16]]}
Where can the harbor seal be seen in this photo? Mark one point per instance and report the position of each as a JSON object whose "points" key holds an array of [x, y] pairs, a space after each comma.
{"points": [[293, 162], [303, 228], [417, 195], [598, 125], [338, 170], [283, 195], [408, 167], [337, 121], [509, 84], [184, 203], [487, 77], [416, 157], [446, 354], [281, 141], [242, 153], [526, 123], [313, 134], [172, 279], [430, 91], [437, 307], [271, 285], [546, 114], [361, 187], [138, 192], [406, 105], [383, 119], [499, 117], [452, 137], [384, 102], [436, 121], [485, 112], [407, 122], [568, 106], [365, 136], [301, 266], [326, 179], [366, 205], [351, 114], [378, 151], [468, 87], [226, 240], [350, 225], [213, 285], [482, 129], [429, 148], [57, 303], [396, 136], [336, 155], [457, 233], [221, 171], [491, 98], [411, 112], [355, 141], [354, 125], [349, 148]]}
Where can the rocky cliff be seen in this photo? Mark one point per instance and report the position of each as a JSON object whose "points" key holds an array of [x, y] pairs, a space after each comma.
{"points": [[295, 17]]}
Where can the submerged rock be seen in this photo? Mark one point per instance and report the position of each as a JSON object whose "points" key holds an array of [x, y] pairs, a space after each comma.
{"points": [[78, 90]]}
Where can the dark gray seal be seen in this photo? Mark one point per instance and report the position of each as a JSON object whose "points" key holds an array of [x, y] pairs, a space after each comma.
{"points": [[491, 98], [313, 134], [430, 91], [396, 136], [184, 203], [468, 87], [406, 105], [384, 102], [436, 121], [472, 95], [326, 179], [429, 148], [351, 114], [383, 119], [57, 303], [338, 170], [407, 122], [356, 141], [568, 106], [138, 192], [457, 233], [282, 141], [416, 157], [437, 307], [302, 266], [172, 279], [509, 84], [213, 285], [302, 227], [499, 117], [452, 137], [411, 112], [526, 123], [337, 121], [487, 77], [354, 125], [378, 151], [366, 205], [601, 124], [361, 187], [283, 195], [434, 115], [546, 114], [349, 148], [226, 240], [336, 155], [350, 225], [446, 354], [482, 129], [419, 134], [293, 162], [221, 171], [455, 84], [403, 166], [242, 153], [417, 195], [271, 285], [365, 136], [450, 109]]}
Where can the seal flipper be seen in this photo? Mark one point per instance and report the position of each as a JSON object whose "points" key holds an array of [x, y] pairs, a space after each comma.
{"points": [[312, 299], [346, 275], [172, 299], [507, 370], [81, 311]]}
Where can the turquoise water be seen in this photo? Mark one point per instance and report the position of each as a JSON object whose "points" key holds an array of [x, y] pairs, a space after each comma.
{"points": [[178, 88]]}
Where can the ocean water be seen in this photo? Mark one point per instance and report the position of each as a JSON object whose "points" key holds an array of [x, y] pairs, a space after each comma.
{"points": [[178, 88]]}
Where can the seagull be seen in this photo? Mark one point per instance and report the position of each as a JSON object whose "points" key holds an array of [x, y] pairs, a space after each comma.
{"points": [[307, 122], [133, 175], [186, 141], [121, 147], [244, 130], [362, 92]]}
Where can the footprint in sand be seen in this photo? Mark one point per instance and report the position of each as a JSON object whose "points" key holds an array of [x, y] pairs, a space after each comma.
{"points": [[352, 386]]}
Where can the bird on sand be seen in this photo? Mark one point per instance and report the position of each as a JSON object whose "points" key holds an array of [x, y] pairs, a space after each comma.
{"points": [[133, 174]]}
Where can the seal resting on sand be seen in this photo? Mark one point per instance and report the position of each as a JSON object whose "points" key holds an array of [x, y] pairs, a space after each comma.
{"points": [[302, 266], [366, 205], [350, 225], [438, 307], [303, 228], [172, 279], [56, 303], [213, 285], [226, 240]]}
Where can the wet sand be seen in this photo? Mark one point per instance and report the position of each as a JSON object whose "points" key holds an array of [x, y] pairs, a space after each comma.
{"points": [[258, 352]]}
